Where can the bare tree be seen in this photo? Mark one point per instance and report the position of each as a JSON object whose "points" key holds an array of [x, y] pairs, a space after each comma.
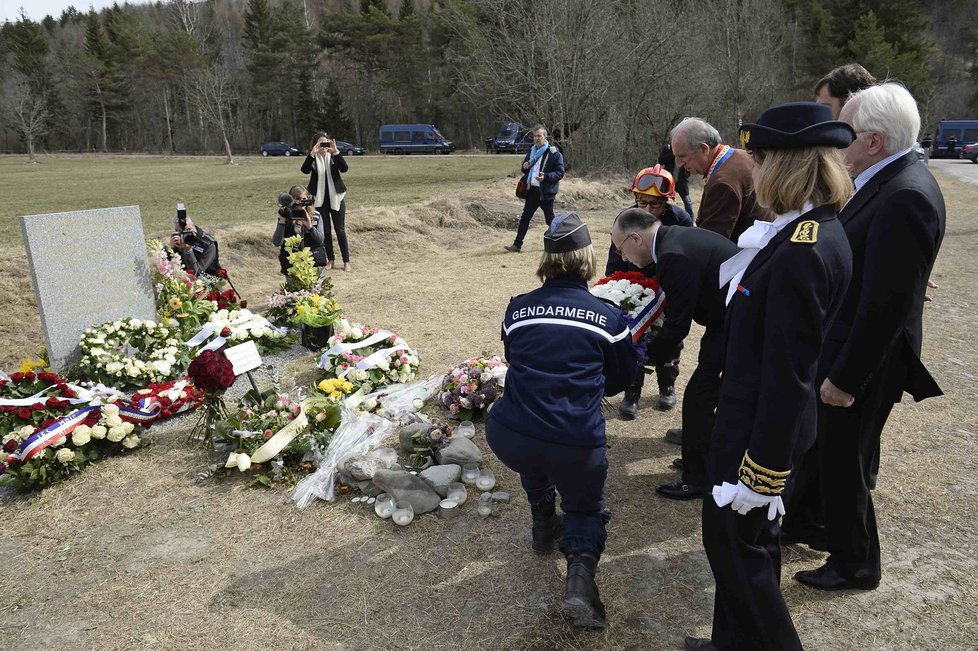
{"points": [[26, 110], [213, 92]]}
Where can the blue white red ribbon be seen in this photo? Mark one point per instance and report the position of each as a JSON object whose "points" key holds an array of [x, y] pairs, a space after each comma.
{"points": [[644, 320]]}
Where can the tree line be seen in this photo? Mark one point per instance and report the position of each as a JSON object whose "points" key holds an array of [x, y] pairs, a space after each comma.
{"points": [[609, 77]]}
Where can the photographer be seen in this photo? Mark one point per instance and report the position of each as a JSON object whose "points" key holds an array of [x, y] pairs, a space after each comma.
{"points": [[299, 217], [324, 164], [197, 249]]}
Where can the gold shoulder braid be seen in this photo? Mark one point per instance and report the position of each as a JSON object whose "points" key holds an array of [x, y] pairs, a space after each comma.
{"points": [[806, 232], [760, 479]]}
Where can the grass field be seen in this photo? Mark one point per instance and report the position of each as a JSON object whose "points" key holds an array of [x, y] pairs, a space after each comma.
{"points": [[132, 554], [216, 194]]}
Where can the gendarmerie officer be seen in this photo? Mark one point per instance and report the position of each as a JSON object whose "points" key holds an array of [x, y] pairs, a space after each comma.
{"points": [[566, 350], [653, 187], [785, 286], [687, 264], [197, 249]]}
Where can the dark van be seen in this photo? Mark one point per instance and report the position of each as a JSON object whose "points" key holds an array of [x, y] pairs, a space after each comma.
{"points": [[413, 139], [513, 138], [964, 132]]}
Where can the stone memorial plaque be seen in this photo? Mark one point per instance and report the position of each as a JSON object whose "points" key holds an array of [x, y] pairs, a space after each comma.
{"points": [[88, 267]]}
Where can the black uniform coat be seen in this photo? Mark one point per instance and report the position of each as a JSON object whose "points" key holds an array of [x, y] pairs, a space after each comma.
{"points": [[895, 224], [673, 215], [775, 328], [687, 267]]}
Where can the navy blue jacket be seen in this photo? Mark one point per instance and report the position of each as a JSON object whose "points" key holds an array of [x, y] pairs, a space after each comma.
{"points": [[566, 350], [552, 167], [673, 215]]}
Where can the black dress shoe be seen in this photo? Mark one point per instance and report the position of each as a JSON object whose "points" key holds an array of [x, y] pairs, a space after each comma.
{"points": [[677, 490], [699, 644], [512, 248], [829, 578], [675, 435], [677, 464]]}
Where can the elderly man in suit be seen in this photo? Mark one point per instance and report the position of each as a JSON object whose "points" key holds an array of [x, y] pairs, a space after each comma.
{"points": [[895, 224]]}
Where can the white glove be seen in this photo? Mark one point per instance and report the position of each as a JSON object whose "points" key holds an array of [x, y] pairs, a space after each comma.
{"points": [[742, 499]]}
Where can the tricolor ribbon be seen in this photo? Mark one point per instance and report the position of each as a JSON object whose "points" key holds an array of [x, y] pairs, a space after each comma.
{"points": [[644, 320], [56, 430]]}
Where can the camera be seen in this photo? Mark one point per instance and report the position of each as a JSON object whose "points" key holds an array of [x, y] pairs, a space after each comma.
{"points": [[182, 215], [325, 144]]}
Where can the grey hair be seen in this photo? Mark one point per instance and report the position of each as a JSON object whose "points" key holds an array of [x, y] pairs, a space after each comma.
{"points": [[888, 109], [538, 127], [696, 131]]}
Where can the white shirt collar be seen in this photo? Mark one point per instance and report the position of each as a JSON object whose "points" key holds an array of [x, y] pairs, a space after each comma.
{"points": [[655, 259], [863, 177]]}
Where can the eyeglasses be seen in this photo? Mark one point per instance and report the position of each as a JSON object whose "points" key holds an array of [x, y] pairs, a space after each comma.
{"points": [[657, 202], [618, 248]]}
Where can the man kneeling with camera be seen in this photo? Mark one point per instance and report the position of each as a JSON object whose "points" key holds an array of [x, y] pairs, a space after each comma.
{"points": [[297, 216], [197, 249]]}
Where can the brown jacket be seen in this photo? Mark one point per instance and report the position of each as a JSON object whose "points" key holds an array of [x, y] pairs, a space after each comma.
{"points": [[729, 206]]}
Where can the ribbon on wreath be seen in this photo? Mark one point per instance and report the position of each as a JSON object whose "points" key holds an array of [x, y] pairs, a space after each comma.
{"points": [[338, 349], [56, 430], [648, 315], [211, 327], [278, 442]]}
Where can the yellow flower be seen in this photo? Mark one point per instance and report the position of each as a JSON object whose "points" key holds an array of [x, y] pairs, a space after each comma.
{"points": [[28, 365], [175, 303]]}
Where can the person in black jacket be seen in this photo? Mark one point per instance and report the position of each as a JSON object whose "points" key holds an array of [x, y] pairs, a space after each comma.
{"points": [[330, 193], [687, 263], [668, 160], [652, 187], [543, 167], [299, 220], [785, 287], [895, 224], [566, 350], [198, 250]]}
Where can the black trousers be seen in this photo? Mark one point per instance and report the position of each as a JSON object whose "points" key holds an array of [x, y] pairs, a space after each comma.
{"points": [[749, 612], [338, 219], [699, 406], [848, 444], [533, 201]]}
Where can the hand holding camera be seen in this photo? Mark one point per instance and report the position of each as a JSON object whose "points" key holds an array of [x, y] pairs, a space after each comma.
{"points": [[326, 146]]}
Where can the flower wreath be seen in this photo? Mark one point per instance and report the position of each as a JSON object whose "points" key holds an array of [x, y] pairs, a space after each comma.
{"points": [[133, 352], [173, 397], [632, 291], [33, 399], [386, 359]]}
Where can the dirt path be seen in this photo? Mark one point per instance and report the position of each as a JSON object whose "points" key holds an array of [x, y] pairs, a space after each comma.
{"points": [[133, 554]]}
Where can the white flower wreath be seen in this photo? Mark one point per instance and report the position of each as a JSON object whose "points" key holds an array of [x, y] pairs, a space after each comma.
{"points": [[133, 352]]}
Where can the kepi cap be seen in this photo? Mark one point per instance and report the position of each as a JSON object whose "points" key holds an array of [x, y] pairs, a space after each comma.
{"points": [[566, 233], [796, 124]]}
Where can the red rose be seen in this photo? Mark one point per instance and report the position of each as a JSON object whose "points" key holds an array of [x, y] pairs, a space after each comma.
{"points": [[10, 446], [37, 405], [17, 377], [30, 377], [25, 413], [222, 272], [226, 332], [3, 467], [51, 402], [48, 422], [3, 383], [93, 417], [49, 377], [244, 304], [268, 434]]}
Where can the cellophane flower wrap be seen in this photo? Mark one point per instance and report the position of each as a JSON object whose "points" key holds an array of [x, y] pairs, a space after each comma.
{"points": [[212, 373], [387, 360], [83, 434], [469, 389], [631, 291]]}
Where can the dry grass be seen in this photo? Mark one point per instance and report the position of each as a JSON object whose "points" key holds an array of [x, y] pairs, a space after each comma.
{"points": [[133, 554]]}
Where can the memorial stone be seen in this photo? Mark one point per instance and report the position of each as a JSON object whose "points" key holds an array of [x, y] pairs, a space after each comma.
{"points": [[88, 267]]}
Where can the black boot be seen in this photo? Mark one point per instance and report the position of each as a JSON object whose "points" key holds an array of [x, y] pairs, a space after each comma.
{"points": [[582, 604], [629, 404], [667, 398], [547, 526]]}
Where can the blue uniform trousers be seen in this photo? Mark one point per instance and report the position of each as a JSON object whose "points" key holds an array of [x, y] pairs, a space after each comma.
{"points": [[577, 473]]}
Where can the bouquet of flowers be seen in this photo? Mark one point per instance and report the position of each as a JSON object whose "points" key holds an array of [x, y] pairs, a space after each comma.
{"points": [[213, 374], [271, 435], [368, 357], [131, 353], [36, 457], [173, 397], [306, 298], [469, 389], [633, 291], [238, 326]]}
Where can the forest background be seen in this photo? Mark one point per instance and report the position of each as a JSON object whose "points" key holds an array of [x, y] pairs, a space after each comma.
{"points": [[610, 77]]}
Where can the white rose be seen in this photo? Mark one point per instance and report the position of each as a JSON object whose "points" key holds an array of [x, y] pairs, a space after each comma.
{"points": [[59, 442], [267, 332], [98, 432], [113, 421], [132, 371], [116, 434], [370, 403], [113, 367], [172, 323], [64, 456], [356, 333], [81, 436], [221, 315], [110, 410], [135, 323], [130, 442], [150, 326], [162, 366], [128, 428]]}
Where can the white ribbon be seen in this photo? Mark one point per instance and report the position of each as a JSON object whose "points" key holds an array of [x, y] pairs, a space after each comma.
{"points": [[374, 359], [338, 349]]}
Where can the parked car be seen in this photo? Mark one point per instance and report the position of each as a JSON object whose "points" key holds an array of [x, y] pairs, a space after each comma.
{"points": [[349, 150], [970, 151], [280, 149], [413, 138], [963, 132], [513, 138]]}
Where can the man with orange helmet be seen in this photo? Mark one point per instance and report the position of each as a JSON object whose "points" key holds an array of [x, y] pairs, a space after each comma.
{"points": [[653, 188]]}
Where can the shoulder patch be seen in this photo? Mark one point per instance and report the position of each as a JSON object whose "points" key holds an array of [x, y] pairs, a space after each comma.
{"points": [[806, 232]]}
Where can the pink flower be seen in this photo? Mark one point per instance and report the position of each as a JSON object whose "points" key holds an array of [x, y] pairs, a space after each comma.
{"points": [[453, 408], [465, 389]]}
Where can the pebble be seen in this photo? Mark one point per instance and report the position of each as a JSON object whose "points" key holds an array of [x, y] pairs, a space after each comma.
{"points": [[501, 496]]}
